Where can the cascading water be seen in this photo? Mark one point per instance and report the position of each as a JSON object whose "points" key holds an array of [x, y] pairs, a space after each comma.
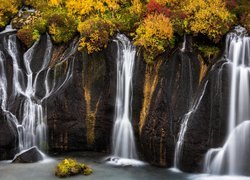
{"points": [[183, 48], [232, 158], [183, 129], [30, 120], [123, 143]]}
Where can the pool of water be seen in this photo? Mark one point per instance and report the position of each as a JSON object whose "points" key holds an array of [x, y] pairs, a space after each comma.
{"points": [[102, 171]]}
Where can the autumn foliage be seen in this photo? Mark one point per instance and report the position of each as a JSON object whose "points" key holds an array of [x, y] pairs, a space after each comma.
{"points": [[7, 10], [153, 24], [155, 7], [154, 35], [95, 33], [208, 17]]}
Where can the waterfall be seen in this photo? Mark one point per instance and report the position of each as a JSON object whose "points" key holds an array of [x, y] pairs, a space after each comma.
{"points": [[29, 87], [123, 136], [183, 129], [232, 158], [183, 48], [123, 143]]}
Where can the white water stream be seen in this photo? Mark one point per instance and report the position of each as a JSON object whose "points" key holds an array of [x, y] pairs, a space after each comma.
{"points": [[232, 158], [123, 143], [23, 87]]}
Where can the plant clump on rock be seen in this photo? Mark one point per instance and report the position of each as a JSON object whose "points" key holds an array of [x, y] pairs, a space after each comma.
{"points": [[70, 167]]}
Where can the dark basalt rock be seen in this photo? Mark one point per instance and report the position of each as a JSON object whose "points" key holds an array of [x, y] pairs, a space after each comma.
{"points": [[8, 138], [137, 98], [80, 115], [176, 86], [66, 114], [31, 155], [207, 125]]}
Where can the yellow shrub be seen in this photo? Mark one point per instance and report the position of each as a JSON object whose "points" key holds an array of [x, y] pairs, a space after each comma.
{"points": [[168, 2], [137, 7], [61, 27], [55, 2], [87, 7], [154, 35], [208, 17], [7, 10], [95, 33]]}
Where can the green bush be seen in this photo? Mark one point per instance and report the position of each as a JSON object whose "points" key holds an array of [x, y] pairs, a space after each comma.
{"points": [[208, 52], [31, 32], [7, 10], [61, 26], [40, 25]]}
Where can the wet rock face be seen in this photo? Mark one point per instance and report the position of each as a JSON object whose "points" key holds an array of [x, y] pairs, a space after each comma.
{"points": [[80, 111], [207, 125], [8, 138], [8, 131], [178, 78], [31, 155], [66, 115], [80, 115]]}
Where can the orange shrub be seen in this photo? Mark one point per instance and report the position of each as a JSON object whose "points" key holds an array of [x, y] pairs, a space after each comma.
{"points": [[154, 35]]}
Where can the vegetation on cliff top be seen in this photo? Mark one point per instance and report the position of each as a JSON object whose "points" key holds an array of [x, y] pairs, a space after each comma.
{"points": [[153, 24]]}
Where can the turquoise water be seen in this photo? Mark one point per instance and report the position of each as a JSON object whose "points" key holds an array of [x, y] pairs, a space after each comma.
{"points": [[45, 170]]}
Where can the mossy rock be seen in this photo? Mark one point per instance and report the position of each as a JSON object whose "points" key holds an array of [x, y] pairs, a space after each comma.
{"points": [[87, 170], [24, 18], [70, 167]]}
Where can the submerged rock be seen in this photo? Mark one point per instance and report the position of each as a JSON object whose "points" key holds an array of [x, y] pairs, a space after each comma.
{"points": [[28, 156]]}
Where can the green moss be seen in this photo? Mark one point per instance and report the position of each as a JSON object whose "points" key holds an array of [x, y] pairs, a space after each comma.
{"points": [[40, 25], [30, 26], [70, 167], [7, 10], [208, 52], [123, 20], [35, 35], [62, 27], [87, 170]]}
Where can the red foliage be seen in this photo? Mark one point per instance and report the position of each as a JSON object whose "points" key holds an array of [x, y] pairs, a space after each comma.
{"points": [[231, 4], [178, 15], [154, 7], [183, 15]]}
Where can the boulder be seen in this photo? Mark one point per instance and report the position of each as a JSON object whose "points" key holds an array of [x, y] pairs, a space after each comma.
{"points": [[31, 155], [8, 137]]}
